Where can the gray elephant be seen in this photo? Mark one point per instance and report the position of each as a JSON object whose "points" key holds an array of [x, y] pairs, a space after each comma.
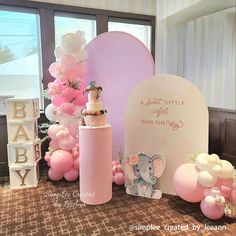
{"points": [[146, 170]]}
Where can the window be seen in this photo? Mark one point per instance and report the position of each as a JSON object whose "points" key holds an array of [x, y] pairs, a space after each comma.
{"points": [[139, 30], [67, 23], [27, 50], [20, 63]]}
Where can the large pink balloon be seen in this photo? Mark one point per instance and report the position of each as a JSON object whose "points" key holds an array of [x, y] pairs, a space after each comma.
{"points": [[118, 61], [61, 161], [186, 184], [212, 212], [54, 175]]}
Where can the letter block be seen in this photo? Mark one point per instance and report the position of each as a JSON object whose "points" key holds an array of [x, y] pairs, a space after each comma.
{"points": [[22, 109], [3, 103], [25, 177], [22, 131], [24, 154]]}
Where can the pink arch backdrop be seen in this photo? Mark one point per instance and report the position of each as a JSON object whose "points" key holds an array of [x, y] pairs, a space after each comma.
{"points": [[118, 61]]}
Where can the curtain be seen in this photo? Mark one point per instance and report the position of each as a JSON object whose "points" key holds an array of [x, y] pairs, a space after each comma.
{"points": [[202, 51]]}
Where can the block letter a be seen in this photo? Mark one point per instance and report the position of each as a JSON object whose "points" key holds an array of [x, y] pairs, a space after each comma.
{"points": [[20, 132]]}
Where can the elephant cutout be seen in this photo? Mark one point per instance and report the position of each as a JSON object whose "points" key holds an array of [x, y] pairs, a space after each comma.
{"points": [[142, 172]]}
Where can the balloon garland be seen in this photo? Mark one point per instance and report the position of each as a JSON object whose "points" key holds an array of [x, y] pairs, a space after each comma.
{"points": [[66, 93], [208, 180]]}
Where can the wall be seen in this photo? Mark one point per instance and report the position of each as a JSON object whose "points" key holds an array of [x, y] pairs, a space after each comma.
{"points": [[146, 7]]}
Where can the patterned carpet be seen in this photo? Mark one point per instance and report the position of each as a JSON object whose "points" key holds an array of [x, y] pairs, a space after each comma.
{"points": [[55, 209]]}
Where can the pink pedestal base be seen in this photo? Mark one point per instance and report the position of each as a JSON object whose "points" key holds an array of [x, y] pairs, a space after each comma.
{"points": [[95, 164]]}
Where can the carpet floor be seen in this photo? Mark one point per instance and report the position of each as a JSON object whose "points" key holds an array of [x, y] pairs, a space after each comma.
{"points": [[55, 209]]}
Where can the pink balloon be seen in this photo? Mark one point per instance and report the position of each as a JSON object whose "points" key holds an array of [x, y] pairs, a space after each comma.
{"points": [[61, 161], [119, 178], [57, 100], [73, 129], [225, 186], [214, 212], [54, 144], [68, 62], [232, 196], [71, 175], [125, 63], [54, 69], [68, 94], [115, 162], [53, 129], [186, 184], [54, 175], [47, 157], [76, 164], [68, 108], [81, 70], [66, 143], [80, 98]]}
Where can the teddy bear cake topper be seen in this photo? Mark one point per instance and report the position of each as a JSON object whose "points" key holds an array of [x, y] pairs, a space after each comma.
{"points": [[142, 172]]}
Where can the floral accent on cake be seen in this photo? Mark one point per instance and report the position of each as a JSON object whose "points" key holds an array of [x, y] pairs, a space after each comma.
{"points": [[93, 114]]}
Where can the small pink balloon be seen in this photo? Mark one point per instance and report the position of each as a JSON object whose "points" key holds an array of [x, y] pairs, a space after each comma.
{"points": [[54, 69], [48, 163], [115, 162], [53, 130], [68, 108], [76, 164], [47, 156], [68, 93], [61, 161], [53, 144], [80, 100], [119, 167], [81, 69], [214, 212], [186, 184], [54, 175], [75, 153], [57, 100], [119, 178], [71, 175], [232, 196], [66, 143], [73, 129], [68, 62]]}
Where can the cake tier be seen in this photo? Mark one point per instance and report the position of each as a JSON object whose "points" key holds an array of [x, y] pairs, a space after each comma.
{"points": [[93, 96], [95, 121], [94, 106]]}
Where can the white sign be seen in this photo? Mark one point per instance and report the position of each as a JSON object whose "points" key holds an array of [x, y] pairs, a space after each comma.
{"points": [[166, 114]]}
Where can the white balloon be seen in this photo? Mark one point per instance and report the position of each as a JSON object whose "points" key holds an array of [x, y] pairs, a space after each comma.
{"points": [[81, 55], [71, 43], [202, 161], [217, 169], [58, 52], [50, 112], [210, 200], [206, 179], [227, 170]]}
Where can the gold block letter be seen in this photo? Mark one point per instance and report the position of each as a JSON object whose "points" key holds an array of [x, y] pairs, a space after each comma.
{"points": [[21, 152], [21, 133], [19, 110], [22, 177]]}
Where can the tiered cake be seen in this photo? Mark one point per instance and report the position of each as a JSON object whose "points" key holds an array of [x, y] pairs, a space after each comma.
{"points": [[95, 137], [94, 115]]}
